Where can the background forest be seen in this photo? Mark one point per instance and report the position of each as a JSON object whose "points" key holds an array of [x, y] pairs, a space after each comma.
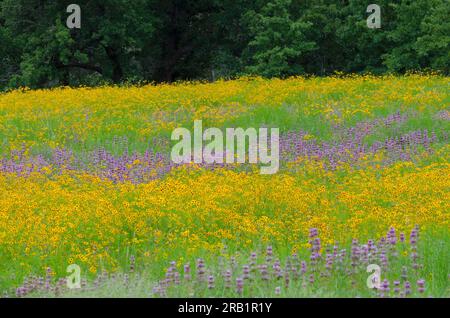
{"points": [[135, 41]]}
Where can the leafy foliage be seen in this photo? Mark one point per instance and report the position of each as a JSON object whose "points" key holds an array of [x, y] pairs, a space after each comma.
{"points": [[168, 40]]}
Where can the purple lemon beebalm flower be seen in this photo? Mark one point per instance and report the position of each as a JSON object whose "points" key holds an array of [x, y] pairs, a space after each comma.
{"points": [[295, 272], [176, 278], [335, 251], [286, 278], [329, 261], [384, 288], [415, 257], [239, 285], [414, 236], [382, 242], [404, 273], [48, 278], [313, 232], [364, 254], [314, 257], [391, 236], [383, 259], [187, 271], [315, 248], [421, 286], [303, 267], [355, 253], [417, 229], [160, 290], [40, 282], [397, 287], [264, 272], [402, 237], [233, 262], [132, 263], [200, 269], [19, 292], [269, 254], [385, 285], [170, 275], [277, 269], [407, 288], [277, 291], [210, 282], [311, 279], [61, 282], [289, 266], [155, 290], [227, 278], [246, 272], [253, 258], [26, 284]]}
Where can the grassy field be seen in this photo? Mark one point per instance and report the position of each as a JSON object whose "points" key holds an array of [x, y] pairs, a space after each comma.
{"points": [[86, 179]]}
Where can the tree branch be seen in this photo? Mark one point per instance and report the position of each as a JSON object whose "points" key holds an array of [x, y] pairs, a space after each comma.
{"points": [[89, 67]]}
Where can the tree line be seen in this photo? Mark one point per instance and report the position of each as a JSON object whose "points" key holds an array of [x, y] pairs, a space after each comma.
{"points": [[123, 41]]}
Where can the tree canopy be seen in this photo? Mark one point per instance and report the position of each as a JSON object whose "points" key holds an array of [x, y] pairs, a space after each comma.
{"points": [[167, 40]]}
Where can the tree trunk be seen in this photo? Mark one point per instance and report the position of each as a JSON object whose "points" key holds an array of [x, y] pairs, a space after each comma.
{"points": [[117, 74], [171, 46]]}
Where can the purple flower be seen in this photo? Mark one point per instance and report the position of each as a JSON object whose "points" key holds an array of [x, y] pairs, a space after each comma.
{"points": [[277, 291], [187, 272], [239, 285], [392, 238], [227, 278], [264, 272], [211, 282], [303, 267], [313, 232], [396, 287], [246, 272], [200, 269], [421, 285], [407, 288], [311, 279], [132, 263]]}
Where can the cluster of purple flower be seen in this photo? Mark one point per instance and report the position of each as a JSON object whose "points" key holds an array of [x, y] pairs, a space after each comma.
{"points": [[264, 272], [35, 284], [324, 265], [348, 146], [134, 167], [443, 115]]}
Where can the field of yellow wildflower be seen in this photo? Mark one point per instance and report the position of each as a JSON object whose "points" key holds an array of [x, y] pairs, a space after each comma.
{"points": [[86, 178]]}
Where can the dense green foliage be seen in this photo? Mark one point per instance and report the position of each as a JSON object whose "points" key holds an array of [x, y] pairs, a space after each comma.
{"points": [[167, 40]]}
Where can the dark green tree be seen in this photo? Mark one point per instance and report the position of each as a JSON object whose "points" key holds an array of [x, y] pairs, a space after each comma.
{"points": [[402, 54], [106, 48], [433, 44], [168, 40], [278, 40]]}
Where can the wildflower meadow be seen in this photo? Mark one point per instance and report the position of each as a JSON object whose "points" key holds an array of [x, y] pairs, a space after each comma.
{"points": [[358, 207]]}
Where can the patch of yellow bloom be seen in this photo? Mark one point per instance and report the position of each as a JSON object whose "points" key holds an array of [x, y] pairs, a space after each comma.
{"points": [[95, 222]]}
